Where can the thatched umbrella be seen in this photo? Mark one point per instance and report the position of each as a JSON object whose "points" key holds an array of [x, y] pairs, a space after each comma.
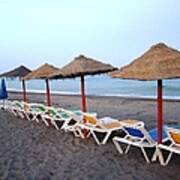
{"points": [[18, 72], [158, 63], [80, 67], [42, 73]]}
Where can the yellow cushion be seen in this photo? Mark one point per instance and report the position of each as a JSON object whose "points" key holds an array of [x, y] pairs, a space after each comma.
{"points": [[90, 119], [175, 137]]}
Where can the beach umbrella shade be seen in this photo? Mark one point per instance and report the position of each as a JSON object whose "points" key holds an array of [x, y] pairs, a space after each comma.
{"points": [[82, 66], [3, 90], [43, 72], [18, 72], [158, 63]]}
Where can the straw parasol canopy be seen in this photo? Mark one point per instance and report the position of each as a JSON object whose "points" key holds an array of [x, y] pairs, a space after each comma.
{"points": [[82, 65], [42, 72], [20, 72], [159, 62]]}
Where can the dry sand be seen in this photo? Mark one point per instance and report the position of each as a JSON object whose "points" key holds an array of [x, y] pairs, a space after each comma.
{"points": [[29, 150]]}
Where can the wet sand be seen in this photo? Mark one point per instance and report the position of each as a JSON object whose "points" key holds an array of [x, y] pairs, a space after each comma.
{"points": [[29, 150]]}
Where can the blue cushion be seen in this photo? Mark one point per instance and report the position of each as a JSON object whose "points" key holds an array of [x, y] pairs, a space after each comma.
{"points": [[154, 134], [134, 132]]}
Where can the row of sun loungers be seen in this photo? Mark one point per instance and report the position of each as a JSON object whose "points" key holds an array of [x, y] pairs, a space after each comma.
{"points": [[84, 125]]}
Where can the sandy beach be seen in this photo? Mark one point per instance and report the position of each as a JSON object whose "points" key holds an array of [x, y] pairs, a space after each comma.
{"points": [[32, 151]]}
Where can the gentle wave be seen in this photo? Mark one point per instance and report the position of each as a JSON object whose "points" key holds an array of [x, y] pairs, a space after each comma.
{"points": [[141, 96], [106, 95], [43, 91]]}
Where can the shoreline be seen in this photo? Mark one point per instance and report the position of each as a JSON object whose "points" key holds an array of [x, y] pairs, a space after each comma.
{"points": [[54, 93]]}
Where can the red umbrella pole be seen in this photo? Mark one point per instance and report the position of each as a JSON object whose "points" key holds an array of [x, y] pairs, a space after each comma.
{"points": [[160, 110], [48, 93], [24, 91], [83, 96]]}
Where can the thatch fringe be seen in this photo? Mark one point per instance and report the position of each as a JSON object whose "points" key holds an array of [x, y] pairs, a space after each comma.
{"points": [[159, 62], [82, 65], [42, 72], [19, 72]]}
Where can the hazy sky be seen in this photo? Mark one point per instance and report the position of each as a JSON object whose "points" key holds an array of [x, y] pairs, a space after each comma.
{"points": [[36, 31]]}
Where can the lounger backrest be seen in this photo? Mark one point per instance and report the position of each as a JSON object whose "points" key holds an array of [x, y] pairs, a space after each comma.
{"points": [[18, 104], [78, 115], [174, 135], [41, 108], [52, 112], [73, 115], [64, 115], [26, 106], [90, 119], [77, 112]]}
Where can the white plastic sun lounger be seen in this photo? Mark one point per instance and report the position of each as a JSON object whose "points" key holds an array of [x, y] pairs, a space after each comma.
{"points": [[138, 137], [174, 146], [94, 126]]}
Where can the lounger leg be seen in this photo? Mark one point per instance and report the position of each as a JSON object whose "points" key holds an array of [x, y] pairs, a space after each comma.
{"points": [[68, 127], [26, 116], [64, 126], [127, 148], [78, 132], [55, 125], [159, 156], [145, 155], [97, 140], [106, 138], [46, 123], [95, 137], [81, 135], [88, 135], [168, 159], [118, 147], [21, 115], [14, 112], [161, 159], [155, 155], [35, 119]]}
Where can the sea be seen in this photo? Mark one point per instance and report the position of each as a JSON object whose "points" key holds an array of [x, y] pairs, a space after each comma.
{"points": [[102, 85]]}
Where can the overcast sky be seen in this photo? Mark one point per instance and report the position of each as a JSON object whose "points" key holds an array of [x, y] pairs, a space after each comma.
{"points": [[36, 31]]}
